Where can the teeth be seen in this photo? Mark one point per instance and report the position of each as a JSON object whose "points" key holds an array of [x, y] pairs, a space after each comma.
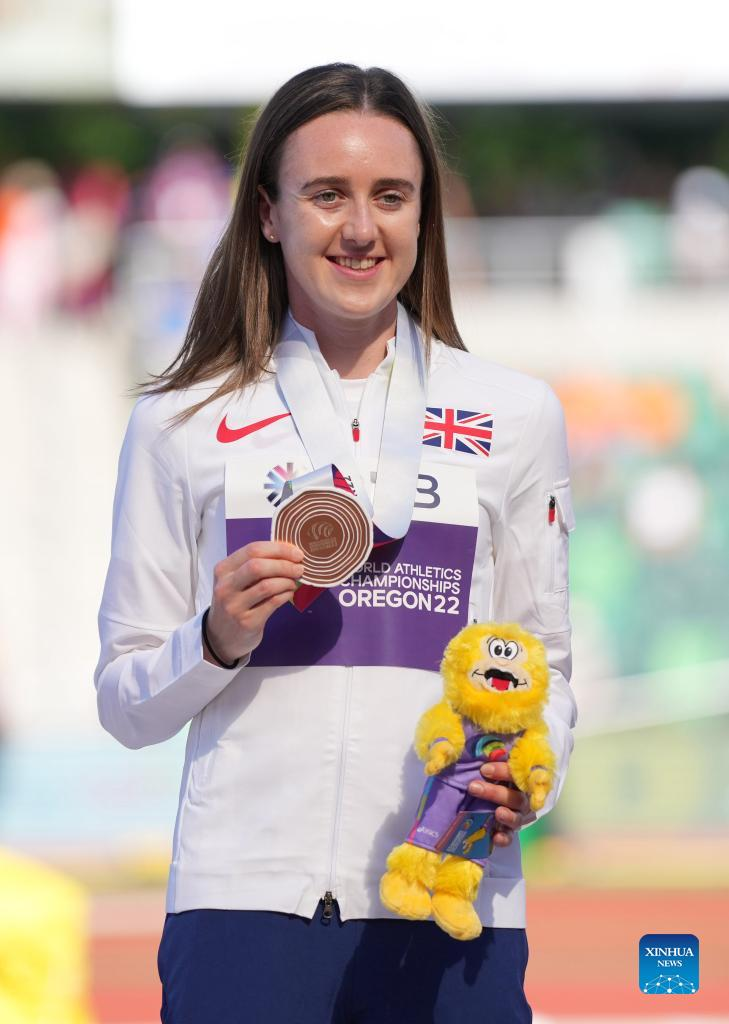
{"points": [[347, 261]]}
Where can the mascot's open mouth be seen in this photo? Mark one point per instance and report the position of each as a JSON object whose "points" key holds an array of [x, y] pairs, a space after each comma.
{"points": [[497, 679]]}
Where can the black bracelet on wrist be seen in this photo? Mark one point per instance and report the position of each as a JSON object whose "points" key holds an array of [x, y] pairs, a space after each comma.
{"points": [[206, 638]]}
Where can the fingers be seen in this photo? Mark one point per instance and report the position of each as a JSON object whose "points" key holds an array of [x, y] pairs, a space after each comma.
{"points": [[513, 804], [250, 609], [503, 838], [249, 586], [255, 573], [268, 586], [244, 575], [259, 615], [497, 771], [507, 822], [514, 799], [254, 561], [260, 549], [251, 572], [509, 819]]}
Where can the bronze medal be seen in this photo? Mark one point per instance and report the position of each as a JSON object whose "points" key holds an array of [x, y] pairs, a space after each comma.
{"points": [[331, 528]]}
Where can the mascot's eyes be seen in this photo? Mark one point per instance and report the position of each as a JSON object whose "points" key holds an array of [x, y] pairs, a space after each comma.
{"points": [[503, 648]]}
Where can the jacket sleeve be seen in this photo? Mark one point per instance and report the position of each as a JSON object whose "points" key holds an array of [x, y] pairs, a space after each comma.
{"points": [[151, 678], [531, 565]]}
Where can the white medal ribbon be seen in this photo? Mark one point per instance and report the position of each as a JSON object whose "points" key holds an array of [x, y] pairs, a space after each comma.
{"points": [[312, 409]]}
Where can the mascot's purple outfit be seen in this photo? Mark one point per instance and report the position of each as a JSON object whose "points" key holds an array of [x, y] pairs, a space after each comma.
{"points": [[446, 795]]}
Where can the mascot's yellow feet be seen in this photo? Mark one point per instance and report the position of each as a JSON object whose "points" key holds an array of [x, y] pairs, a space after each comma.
{"points": [[408, 899], [455, 916], [404, 886], [456, 887]]}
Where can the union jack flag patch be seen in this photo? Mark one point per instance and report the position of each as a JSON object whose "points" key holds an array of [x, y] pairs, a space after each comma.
{"points": [[458, 430]]}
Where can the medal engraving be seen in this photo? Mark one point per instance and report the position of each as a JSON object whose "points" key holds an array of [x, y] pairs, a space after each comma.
{"points": [[331, 528]]}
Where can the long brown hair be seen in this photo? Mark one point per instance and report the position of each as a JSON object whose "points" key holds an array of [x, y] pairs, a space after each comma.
{"points": [[243, 297]]}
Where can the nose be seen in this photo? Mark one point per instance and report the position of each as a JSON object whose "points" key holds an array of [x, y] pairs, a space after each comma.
{"points": [[359, 226]]}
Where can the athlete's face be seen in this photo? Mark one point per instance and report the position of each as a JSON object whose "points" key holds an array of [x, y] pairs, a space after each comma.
{"points": [[349, 187]]}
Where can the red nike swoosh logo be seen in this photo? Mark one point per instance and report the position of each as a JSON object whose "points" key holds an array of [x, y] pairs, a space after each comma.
{"points": [[225, 434]]}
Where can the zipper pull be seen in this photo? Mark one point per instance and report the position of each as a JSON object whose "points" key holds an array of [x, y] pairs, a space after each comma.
{"points": [[355, 430], [328, 912], [552, 508]]}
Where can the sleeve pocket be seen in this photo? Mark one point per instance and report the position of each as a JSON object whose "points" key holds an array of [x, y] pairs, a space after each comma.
{"points": [[560, 529]]}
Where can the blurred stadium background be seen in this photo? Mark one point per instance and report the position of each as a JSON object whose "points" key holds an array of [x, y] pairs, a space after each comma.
{"points": [[588, 232]]}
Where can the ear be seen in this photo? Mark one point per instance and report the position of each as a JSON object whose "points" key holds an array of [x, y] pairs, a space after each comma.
{"points": [[265, 213]]}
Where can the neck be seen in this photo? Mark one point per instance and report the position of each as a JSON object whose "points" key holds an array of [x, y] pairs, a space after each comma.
{"points": [[354, 348]]}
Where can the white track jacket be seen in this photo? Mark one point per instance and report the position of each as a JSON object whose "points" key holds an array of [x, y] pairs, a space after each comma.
{"points": [[300, 774]]}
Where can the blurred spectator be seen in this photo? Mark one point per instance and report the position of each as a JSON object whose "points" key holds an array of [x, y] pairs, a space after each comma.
{"points": [[190, 186], [184, 203], [700, 236], [32, 207], [98, 205]]}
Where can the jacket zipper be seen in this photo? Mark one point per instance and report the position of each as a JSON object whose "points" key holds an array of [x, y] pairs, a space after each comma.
{"points": [[329, 895], [331, 888]]}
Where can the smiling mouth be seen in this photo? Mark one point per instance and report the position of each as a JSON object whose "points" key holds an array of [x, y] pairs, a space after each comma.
{"points": [[497, 679], [356, 263]]}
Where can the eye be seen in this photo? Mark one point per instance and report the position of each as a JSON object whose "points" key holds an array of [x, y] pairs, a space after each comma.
{"points": [[327, 197], [391, 196], [511, 650], [496, 647]]}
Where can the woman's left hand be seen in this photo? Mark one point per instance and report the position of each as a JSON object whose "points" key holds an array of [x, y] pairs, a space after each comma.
{"points": [[514, 805]]}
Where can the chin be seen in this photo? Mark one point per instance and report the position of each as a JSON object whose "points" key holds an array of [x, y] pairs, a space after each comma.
{"points": [[356, 306]]}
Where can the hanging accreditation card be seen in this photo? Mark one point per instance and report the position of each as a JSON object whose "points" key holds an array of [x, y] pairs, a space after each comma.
{"points": [[405, 603], [471, 835]]}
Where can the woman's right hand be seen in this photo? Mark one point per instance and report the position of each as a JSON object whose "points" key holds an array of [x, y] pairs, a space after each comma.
{"points": [[249, 586]]}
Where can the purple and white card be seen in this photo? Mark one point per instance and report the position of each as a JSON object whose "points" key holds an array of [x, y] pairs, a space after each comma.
{"points": [[406, 602]]}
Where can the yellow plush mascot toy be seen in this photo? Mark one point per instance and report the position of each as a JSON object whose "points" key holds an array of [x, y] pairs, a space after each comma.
{"points": [[496, 680]]}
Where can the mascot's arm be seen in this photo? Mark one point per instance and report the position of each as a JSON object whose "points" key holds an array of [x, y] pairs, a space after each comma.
{"points": [[530, 565], [532, 763], [439, 738]]}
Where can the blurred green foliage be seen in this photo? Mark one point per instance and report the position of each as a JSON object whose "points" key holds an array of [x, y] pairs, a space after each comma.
{"points": [[558, 159], [68, 136], [518, 159]]}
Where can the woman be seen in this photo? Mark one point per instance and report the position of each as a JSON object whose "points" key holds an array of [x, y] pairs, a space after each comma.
{"points": [[323, 335]]}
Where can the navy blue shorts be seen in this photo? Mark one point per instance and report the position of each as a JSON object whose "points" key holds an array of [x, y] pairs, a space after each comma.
{"points": [[262, 967]]}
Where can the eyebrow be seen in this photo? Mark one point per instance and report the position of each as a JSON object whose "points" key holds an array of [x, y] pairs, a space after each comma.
{"points": [[402, 183]]}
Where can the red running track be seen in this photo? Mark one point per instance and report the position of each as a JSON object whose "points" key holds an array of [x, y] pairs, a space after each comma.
{"points": [[583, 953]]}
